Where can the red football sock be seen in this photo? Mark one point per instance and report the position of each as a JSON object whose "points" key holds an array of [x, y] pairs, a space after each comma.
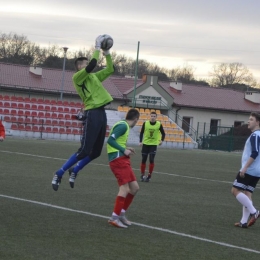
{"points": [[119, 204], [143, 166], [128, 200], [151, 166]]}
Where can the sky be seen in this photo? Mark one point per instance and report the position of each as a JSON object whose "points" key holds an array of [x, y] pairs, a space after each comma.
{"points": [[171, 33]]}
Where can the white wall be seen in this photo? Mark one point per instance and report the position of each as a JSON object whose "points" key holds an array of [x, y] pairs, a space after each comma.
{"points": [[151, 92], [226, 118]]}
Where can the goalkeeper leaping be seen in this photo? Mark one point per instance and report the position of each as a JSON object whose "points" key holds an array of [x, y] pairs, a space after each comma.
{"points": [[95, 97]]}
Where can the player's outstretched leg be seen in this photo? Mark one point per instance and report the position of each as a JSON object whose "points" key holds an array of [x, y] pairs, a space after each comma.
{"points": [[72, 177], [73, 172], [56, 182], [58, 174]]}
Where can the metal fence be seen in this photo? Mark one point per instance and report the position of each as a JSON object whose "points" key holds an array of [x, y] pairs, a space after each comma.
{"points": [[220, 138]]}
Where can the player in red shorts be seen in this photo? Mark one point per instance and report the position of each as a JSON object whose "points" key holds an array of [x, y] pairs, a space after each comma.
{"points": [[119, 162]]}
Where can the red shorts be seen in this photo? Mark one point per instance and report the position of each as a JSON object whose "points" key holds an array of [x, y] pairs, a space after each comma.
{"points": [[122, 170]]}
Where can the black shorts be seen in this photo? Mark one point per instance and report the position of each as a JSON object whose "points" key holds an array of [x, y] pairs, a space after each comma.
{"points": [[149, 149], [247, 183], [94, 133]]}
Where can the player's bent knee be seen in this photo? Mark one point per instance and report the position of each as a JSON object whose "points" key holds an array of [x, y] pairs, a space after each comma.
{"points": [[134, 188], [235, 191]]}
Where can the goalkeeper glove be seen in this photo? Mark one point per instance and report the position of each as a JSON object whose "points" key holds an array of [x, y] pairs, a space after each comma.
{"points": [[99, 41], [80, 116]]}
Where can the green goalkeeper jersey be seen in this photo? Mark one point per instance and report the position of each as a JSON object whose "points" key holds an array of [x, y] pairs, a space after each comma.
{"points": [[89, 86]]}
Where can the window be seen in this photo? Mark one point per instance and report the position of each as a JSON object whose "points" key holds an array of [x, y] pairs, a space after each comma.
{"points": [[186, 123], [238, 123], [214, 126]]}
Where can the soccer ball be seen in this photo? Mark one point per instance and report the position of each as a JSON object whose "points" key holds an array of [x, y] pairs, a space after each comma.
{"points": [[107, 42]]}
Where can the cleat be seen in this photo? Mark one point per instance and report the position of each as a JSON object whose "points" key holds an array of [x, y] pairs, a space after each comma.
{"points": [[72, 177], [253, 218], [239, 224], [124, 220], [116, 223], [56, 182], [142, 177], [148, 178]]}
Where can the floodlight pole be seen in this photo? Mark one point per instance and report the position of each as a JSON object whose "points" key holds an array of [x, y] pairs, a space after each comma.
{"points": [[136, 70], [63, 72]]}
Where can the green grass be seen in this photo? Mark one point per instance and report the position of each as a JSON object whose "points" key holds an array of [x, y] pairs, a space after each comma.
{"points": [[189, 194]]}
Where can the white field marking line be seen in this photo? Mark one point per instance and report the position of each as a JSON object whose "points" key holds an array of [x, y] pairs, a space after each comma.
{"points": [[137, 224], [105, 165]]}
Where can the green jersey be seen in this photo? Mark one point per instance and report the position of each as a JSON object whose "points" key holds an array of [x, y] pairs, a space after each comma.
{"points": [[151, 133], [117, 140], [89, 86]]}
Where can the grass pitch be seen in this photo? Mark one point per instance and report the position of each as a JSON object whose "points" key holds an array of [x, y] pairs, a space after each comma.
{"points": [[185, 212]]}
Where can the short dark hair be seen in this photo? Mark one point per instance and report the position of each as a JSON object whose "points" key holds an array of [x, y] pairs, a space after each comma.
{"points": [[132, 114], [256, 115], [79, 61], [153, 113]]}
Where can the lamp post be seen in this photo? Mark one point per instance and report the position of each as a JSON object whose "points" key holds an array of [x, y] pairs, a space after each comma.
{"points": [[63, 72], [136, 71]]}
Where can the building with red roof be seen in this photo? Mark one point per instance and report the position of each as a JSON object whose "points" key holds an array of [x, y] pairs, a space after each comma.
{"points": [[190, 106]]}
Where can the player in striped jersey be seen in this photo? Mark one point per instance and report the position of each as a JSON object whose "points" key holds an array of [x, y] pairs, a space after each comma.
{"points": [[249, 174]]}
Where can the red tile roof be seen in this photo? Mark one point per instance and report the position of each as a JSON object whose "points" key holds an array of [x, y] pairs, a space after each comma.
{"points": [[190, 96], [19, 76], [124, 85], [209, 97]]}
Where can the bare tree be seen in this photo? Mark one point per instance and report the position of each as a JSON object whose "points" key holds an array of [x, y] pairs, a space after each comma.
{"points": [[226, 74], [12, 45], [37, 53], [120, 63], [18, 49], [81, 53], [184, 74]]}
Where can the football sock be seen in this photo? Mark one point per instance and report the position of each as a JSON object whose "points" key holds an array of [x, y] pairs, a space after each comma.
{"points": [[245, 215], [143, 166], [245, 201], [151, 166], [82, 163], [128, 200], [119, 204], [70, 162]]}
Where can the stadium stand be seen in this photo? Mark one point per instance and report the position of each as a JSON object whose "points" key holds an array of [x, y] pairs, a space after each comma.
{"points": [[49, 118], [175, 136]]}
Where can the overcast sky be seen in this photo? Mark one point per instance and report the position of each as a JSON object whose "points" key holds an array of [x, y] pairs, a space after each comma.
{"points": [[172, 33]]}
